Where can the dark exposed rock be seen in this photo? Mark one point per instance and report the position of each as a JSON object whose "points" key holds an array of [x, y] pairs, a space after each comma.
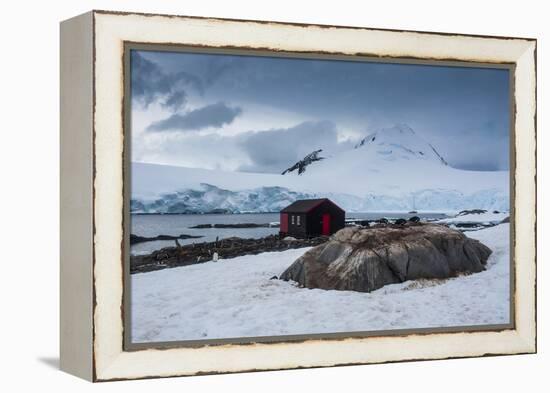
{"points": [[470, 225], [243, 225], [219, 211], [302, 164], [134, 239], [414, 219], [400, 221], [367, 259], [238, 225], [201, 226], [472, 211]]}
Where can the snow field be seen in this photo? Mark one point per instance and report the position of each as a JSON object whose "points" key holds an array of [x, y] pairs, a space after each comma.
{"points": [[236, 298]]}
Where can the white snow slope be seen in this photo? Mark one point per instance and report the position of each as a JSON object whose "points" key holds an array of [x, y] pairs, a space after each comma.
{"points": [[474, 218], [236, 298], [392, 169]]}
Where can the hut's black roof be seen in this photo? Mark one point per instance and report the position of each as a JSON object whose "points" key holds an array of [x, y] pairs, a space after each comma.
{"points": [[306, 205]]}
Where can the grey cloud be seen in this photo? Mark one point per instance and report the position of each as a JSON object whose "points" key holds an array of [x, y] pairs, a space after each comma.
{"points": [[175, 100], [482, 156], [215, 115], [217, 67], [150, 83], [193, 150], [275, 150]]}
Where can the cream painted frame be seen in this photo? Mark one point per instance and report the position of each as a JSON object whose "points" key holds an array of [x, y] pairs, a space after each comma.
{"points": [[92, 189]]}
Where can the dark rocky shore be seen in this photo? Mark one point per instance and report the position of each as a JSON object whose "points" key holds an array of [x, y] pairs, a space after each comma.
{"points": [[231, 247], [135, 239], [241, 225], [226, 248]]}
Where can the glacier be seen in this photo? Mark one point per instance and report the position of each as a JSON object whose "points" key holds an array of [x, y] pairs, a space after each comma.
{"points": [[210, 199]]}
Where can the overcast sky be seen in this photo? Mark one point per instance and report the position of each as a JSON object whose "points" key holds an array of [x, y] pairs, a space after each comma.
{"points": [[261, 114]]}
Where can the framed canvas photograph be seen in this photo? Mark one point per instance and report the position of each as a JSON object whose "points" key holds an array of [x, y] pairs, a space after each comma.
{"points": [[248, 195]]}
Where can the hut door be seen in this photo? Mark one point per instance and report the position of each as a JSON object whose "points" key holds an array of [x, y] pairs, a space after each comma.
{"points": [[284, 223], [326, 224]]}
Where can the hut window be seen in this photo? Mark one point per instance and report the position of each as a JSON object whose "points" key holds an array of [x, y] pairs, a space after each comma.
{"points": [[297, 220], [292, 219]]}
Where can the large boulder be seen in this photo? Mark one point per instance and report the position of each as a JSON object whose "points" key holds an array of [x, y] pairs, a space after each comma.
{"points": [[363, 260]]}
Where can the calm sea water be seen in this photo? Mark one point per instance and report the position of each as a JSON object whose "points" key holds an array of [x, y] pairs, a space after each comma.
{"points": [[151, 225]]}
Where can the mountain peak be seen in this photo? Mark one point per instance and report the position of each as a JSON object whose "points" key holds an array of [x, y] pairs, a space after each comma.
{"points": [[402, 127], [399, 141]]}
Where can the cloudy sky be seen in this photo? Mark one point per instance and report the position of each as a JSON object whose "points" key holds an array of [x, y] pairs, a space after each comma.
{"points": [[262, 114]]}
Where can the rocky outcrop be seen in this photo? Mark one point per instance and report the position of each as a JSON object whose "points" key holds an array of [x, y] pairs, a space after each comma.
{"points": [[363, 260]]}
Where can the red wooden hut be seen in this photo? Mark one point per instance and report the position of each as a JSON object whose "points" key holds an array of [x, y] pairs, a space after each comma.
{"points": [[312, 217]]}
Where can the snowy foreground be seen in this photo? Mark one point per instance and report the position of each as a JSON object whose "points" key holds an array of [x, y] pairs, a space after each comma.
{"points": [[236, 298]]}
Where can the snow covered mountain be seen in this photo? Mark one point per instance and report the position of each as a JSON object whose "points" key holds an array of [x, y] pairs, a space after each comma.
{"points": [[392, 169], [402, 142]]}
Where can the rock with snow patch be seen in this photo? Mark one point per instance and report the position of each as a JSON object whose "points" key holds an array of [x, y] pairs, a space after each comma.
{"points": [[366, 259], [472, 211]]}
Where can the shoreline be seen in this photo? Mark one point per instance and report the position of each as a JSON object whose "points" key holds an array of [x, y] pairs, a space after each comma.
{"points": [[136, 239], [228, 248]]}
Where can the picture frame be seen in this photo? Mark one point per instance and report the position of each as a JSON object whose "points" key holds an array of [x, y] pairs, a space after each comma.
{"points": [[94, 265]]}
